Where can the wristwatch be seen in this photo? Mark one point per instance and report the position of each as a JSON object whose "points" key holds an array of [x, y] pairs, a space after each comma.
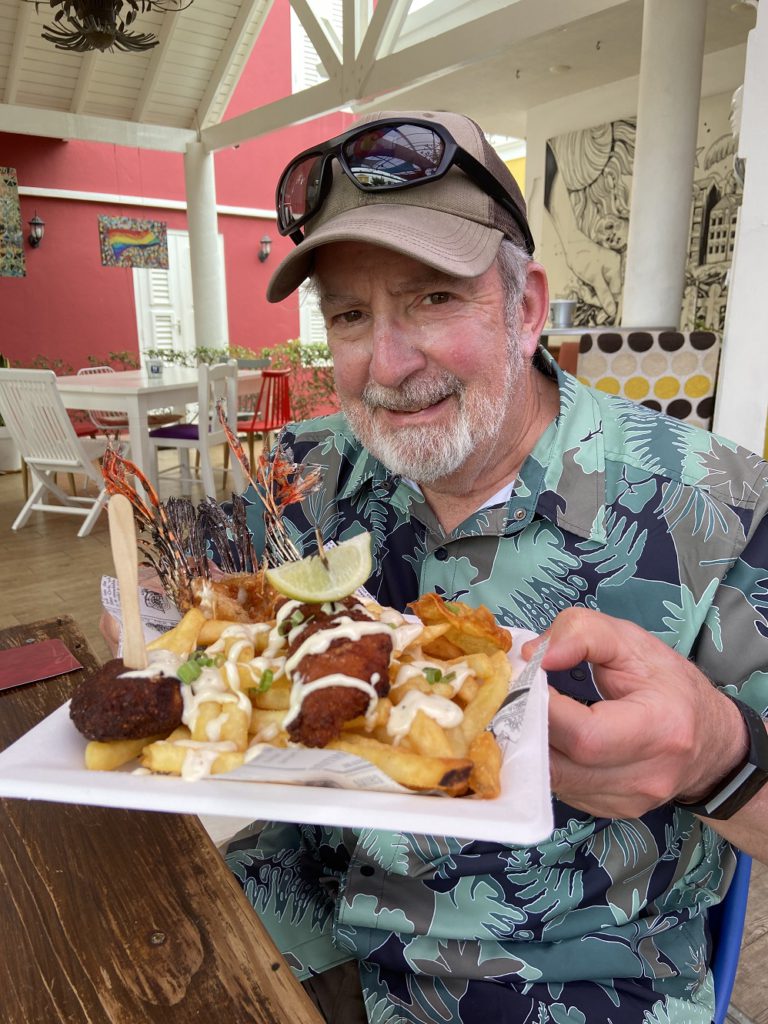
{"points": [[746, 779]]}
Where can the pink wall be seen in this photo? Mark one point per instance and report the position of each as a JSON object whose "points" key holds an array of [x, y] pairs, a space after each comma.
{"points": [[69, 306]]}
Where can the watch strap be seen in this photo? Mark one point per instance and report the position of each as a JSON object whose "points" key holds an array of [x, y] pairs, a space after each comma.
{"points": [[745, 780]]}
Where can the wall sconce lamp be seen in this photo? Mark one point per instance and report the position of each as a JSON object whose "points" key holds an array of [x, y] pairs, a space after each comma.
{"points": [[36, 231], [265, 247]]}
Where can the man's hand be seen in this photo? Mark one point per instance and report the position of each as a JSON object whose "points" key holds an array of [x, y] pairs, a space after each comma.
{"points": [[662, 731]]}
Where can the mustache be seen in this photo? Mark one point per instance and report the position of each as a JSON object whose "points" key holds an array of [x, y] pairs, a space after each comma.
{"points": [[413, 394]]}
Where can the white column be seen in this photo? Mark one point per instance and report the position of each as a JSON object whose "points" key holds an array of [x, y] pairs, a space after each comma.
{"points": [[208, 285], [742, 385], [665, 151]]}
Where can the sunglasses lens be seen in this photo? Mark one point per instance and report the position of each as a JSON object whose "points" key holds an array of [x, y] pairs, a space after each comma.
{"points": [[395, 155], [299, 191]]}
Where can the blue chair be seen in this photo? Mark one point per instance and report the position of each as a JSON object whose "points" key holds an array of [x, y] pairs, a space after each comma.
{"points": [[726, 925]]}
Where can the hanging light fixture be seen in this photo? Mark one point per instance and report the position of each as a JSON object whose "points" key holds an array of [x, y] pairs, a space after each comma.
{"points": [[82, 25], [36, 231], [265, 247]]}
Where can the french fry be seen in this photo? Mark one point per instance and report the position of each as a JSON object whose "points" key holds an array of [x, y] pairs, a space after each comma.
{"points": [[485, 777], [167, 757], [472, 630], [218, 722], [428, 738], [105, 756], [211, 631], [449, 774], [489, 698], [377, 720], [265, 720], [441, 648], [457, 741], [182, 639], [277, 697]]}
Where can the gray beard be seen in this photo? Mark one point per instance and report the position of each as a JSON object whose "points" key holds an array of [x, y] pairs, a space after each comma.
{"points": [[429, 453]]}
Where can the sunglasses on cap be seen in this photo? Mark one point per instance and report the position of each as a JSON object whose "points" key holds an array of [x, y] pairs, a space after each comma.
{"points": [[382, 156]]}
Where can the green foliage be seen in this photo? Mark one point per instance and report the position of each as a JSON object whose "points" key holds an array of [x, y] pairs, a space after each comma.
{"points": [[122, 360], [59, 366], [201, 354], [312, 384], [313, 389]]}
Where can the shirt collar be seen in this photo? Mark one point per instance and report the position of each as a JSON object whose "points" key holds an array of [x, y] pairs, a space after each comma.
{"points": [[566, 469]]}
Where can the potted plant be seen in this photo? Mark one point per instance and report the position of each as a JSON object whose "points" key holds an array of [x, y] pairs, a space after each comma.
{"points": [[313, 389], [10, 459]]}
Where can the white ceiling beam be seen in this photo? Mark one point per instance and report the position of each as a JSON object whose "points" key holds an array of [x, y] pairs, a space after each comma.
{"points": [[152, 77], [301, 106], [54, 124], [20, 36], [84, 79], [477, 40], [383, 31], [246, 27], [319, 39], [350, 12]]}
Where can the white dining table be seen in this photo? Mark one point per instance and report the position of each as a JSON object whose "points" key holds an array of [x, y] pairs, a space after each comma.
{"points": [[137, 394]]}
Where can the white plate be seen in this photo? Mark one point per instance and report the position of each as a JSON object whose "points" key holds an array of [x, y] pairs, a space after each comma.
{"points": [[47, 764]]}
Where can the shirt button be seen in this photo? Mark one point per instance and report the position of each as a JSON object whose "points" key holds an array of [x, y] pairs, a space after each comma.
{"points": [[519, 514], [441, 554], [578, 674], [367, 870]]}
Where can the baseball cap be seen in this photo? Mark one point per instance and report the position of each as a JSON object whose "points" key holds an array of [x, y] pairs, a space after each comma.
{"points": [[450, 224]]}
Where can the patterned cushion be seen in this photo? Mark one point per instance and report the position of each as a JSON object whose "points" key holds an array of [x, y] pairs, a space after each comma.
{"points": [[673, 372]]}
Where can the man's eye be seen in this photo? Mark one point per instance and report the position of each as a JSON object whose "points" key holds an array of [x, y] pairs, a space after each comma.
{"points": [[437, 298], [349, 316]]}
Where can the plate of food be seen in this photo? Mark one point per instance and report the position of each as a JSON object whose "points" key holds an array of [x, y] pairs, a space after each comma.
{"points": [[287, 693]]}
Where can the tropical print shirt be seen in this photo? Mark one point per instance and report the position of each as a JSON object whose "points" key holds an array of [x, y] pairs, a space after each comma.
{"points": [[619, 509]]}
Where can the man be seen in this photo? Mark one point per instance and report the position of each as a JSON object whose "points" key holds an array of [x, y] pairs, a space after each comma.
{"points": [[637, 542]]}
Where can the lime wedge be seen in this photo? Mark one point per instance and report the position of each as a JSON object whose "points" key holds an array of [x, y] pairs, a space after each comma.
{"points": [[349, 565]]}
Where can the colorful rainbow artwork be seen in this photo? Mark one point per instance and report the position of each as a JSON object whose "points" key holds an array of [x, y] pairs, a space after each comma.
{"points": [[125, 242]]}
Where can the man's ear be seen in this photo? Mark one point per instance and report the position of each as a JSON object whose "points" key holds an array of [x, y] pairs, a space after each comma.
{"points": [[534, 308]]}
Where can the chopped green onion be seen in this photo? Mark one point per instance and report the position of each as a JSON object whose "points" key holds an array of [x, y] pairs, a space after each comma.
{"points": [[219, 659], [450, 677], [433, 675], [284, 628], [189, 671], [298, 617], [266, 680]]}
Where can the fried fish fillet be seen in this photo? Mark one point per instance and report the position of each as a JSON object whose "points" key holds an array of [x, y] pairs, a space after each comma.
{"points": [[324, 711]]}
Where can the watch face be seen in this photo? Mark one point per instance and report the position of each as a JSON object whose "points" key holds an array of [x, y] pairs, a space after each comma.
{"points": [[746, 780]]}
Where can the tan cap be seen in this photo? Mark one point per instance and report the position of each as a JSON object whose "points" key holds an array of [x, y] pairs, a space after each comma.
{"points": [[450, 224]]}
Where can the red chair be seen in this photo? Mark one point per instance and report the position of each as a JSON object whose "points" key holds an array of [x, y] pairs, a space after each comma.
{"points": [[272, 409]]}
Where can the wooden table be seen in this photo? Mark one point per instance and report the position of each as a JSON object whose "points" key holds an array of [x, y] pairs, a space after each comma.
{"points": [[122, 916], [136, 393]]}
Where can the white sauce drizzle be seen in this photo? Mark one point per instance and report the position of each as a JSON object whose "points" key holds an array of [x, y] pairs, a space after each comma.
{"points": [[301, 690], [344, 629], [454, 676], [161, 663], [444, 711]]}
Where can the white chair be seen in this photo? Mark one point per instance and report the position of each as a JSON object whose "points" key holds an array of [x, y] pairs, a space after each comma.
{"points": [[40, 425], [113, 422], [215, 383]]}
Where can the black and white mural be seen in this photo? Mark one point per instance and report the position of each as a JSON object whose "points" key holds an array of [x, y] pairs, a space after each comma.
{"points": [[588, 181]]}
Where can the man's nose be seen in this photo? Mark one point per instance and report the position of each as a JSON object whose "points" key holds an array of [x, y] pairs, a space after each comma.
{"points": [[396, 353]]}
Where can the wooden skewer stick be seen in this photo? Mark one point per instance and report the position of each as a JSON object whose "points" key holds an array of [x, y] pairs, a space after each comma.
{"points": [[320, 549], [122, 535]]}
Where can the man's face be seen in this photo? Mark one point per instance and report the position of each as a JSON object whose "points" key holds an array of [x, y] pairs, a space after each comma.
{"points": [[426, 370]]}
